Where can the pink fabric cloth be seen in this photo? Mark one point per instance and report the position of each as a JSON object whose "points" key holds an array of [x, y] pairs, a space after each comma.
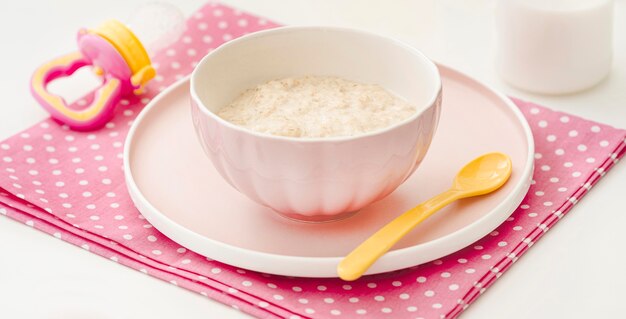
{"points": [[70, 185]]}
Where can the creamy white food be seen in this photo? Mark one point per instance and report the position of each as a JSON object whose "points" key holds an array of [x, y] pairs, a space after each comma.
{"points": [[313, 106]]}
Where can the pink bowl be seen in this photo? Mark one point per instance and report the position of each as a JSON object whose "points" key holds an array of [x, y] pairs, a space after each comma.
{"points": [[315, 179]]}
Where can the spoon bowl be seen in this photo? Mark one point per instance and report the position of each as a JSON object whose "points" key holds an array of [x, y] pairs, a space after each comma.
{"points": [[484, 174]]}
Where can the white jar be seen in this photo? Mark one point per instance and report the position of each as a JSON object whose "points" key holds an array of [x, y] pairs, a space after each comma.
{"points": [[554, 46]]}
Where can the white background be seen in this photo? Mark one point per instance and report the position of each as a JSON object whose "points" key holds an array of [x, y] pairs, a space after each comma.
{"points": [[575, 271]]}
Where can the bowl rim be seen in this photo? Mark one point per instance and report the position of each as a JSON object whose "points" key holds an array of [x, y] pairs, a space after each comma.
{"points": [[197, 102]]}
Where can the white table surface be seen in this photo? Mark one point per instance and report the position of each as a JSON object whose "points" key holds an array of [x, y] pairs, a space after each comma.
{"points": [[575, 271]]}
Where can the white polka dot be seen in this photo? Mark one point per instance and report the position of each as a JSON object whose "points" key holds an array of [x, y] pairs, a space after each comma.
{"points": [[470, 270], [532, 214], [91, 206], [263, 304], [158, 252], [207, 39], [429, 293], [181, 250], [568, 164], [386, 310], [94, 217], [539, 193], [361, 311], [396, 283], [309, 310], [502, 244], [437, 305], [346, 287], [573, 133], [296, 289], [379, 298], [559, 151], [303, 301], [462, 260], [421, 279], [554, 179], [485, 256], [152, 238], [562, 189], [127, 236], [222, 25], [453, 287], [353, 299], [404, 296], [545, 168], [411, 309], [7, 159], [329, 300], [87, 194], [216, 270], [445, 274], [547, 204], [321, 288], [246, 283], [595, 129], [185, 261], [590, 160], [542, 124], [582, 147], [534, 110], [242, 22], [551, 138], [604, 143], [564, 119], [371, 285], [227, 37], [576, 174]]}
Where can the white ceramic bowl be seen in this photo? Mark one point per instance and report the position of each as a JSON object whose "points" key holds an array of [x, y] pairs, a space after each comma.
{"points": [[315, 179]]}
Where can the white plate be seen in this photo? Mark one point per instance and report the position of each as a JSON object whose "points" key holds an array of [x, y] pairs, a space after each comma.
{"points": [[177, 189]]}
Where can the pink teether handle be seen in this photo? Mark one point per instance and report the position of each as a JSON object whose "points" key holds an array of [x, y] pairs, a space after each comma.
{"points": [[91, 117]]}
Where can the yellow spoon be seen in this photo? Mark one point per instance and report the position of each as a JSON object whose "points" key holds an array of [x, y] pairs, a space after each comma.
{"points": [[481, 176]]}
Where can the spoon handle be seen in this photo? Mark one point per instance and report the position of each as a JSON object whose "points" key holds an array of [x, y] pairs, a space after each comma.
{"points": [[361, 258]]}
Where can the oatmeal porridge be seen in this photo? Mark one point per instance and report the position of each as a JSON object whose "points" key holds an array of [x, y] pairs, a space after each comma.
{"points": [[313, 106]]}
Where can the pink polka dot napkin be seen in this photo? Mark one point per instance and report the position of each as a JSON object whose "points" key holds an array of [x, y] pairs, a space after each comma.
{"points": [[70, 185]]}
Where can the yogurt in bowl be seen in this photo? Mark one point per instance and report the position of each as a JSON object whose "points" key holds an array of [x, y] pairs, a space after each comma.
{"points": [[317, 176]]}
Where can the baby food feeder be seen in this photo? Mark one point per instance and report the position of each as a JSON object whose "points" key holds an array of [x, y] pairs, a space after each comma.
{"points": [[120, 54]]}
